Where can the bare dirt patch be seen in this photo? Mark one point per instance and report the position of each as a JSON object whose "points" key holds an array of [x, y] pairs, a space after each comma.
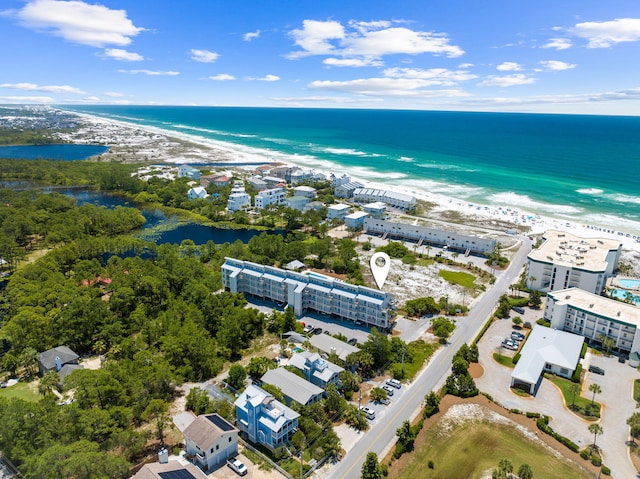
{"points": [[476, 370]]}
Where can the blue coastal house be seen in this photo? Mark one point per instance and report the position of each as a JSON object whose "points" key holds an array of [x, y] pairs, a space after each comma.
{"points": [[263, 419]]}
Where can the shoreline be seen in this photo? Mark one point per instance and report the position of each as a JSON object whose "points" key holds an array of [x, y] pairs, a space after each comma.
{"points": [[191, 149]]}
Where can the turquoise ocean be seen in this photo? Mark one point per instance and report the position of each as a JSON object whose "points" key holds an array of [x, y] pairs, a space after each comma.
{"points": [[575, 168]]}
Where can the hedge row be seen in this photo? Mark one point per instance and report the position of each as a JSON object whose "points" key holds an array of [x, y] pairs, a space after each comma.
{"points": [[543, 425]]}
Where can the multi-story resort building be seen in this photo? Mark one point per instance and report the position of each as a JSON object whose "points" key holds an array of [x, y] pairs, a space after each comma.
{"points": [[594, 317], [264, 419], [274, 196], [392, 198], [311, 291], [567, 261], [464, 243]]}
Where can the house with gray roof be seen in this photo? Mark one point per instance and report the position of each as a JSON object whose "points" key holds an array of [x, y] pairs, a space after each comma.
{"points": [[328, 345], [169, 470], [55, 359], [293, 386], [546, 350], [317, 370], [210, 440], [264, 419]]}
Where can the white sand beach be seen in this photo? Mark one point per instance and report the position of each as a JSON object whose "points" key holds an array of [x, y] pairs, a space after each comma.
{"points": [[136, 143]]}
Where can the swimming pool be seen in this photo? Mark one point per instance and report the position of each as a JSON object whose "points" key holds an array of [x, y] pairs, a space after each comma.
{"points": [[298, 350], [622, 294], [628, 283]]}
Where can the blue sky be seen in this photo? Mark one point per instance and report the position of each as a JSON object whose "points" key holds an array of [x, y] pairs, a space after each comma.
{"points": [[569, 56]]}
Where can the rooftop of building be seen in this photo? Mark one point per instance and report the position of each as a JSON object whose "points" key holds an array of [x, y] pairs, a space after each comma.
{"points": [[566, 249], [598, 305], [292, 385]]}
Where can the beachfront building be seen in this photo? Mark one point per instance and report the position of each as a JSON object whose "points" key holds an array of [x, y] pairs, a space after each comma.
{"points": [[310, 292], [377, 209], [546, 350], [257, 183], [466, 244], [345, 190], [238, 201], [355, 220], [339, 180], [210, 440], [293, 386], [185, 171], [296, 202], [564, 260], [307, 191], [263, 419], [274, 196], [595, 317], [197, 193], [317, 370], [338, 211], [391, 198]]}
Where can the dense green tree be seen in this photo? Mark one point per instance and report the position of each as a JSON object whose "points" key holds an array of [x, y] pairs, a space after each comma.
{"points": [[443, 327], [525, 472], [237, 376], [535, 299], [371, 469], [259, 365], [198, 401], [634, 425]]}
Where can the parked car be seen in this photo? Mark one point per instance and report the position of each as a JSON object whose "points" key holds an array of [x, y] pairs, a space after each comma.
{"points": [[388, 389], [596, 370], [517, 336], [308, 328], [317, 331], [385, 401], [369, 413], [518, 309], [526, 325], [237, 466], [394, 383], [352, 341], [510, 344]]}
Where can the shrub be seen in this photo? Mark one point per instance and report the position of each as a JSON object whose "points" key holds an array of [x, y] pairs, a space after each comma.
{"points": [[596, 461], [431, 465], [577, 373], [583, 351], [488, 396], [516, 358], [542, 322], [605, 470], [515, 411], [483, 330], [532, 414], [585, 454]]}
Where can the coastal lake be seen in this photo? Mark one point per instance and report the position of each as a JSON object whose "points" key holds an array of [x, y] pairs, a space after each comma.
{"points": [[63, 152], [161, 229]]}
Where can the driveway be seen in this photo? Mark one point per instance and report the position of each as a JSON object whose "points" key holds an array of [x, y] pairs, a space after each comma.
{"points": [[617, 405]]}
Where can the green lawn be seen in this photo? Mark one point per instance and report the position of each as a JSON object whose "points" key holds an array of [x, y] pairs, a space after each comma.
{"points": [[458, 277], [20, 391], [565, 387], [504, 360], [475, 447], [636, 390], [421, 351]]}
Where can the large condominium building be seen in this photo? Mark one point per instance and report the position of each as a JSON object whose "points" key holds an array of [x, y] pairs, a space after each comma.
{"points": [[392, 198], [432, 236], [567, 261], [594, 317], [311, 291], [274, 196]]}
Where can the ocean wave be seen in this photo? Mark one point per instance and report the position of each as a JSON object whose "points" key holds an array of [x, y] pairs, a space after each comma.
{"points": [[622, 198], [349, 152], [590, 191], [509, 198], [215, 132], [407, 159], [444, 166]]}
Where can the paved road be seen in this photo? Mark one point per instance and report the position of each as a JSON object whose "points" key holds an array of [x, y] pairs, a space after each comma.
{"points": [[382, 432]]}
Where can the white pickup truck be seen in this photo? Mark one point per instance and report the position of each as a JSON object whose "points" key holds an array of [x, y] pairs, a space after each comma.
{"points": [[237, 466]]}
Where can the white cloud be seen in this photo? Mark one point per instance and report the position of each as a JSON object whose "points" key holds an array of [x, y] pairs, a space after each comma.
{"points": [[465, 65], [150, 72], [509, 67], [390, 87], [26, 99], [432, 76], [222, 77], [352, 62], [367, 40], [558, 43], [314, 37], [508, 80], [204, 56], [79, 22], [606, 34], [330, 99], [247, 37], [44, 88], [555, 65], [113, 94], [269, 78], [123, 55]]}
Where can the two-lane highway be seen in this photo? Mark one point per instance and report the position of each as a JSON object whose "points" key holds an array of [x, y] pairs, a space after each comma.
{"points": [[383, 429]]}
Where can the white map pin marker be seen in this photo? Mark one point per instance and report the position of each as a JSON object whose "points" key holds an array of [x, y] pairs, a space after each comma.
{"points": [[380, 265]]}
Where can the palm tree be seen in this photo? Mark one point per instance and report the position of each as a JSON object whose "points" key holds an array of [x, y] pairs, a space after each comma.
{"points": [[595, 389], [595, 429], [574, 388], [634, 424], [427, 247]]}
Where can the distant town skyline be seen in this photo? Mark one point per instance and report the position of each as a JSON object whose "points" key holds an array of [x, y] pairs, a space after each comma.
{"points": [[575, 56]]}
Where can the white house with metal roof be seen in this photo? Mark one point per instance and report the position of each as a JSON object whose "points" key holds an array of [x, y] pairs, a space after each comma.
{"points": [[329, 345], [337, 211], [317, 370], [264, 419], [564, 261], [293, 386], [546, 350]]}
